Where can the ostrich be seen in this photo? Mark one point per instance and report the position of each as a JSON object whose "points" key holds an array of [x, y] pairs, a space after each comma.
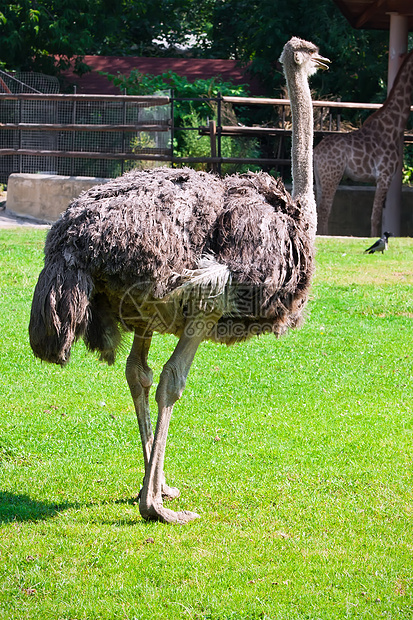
{"points": [[182, 252]]}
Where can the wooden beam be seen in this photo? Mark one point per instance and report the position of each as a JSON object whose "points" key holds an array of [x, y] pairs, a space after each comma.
{"points": [[86, 154], [147, 100], [350, 17], [91, 127], [371, 10]]}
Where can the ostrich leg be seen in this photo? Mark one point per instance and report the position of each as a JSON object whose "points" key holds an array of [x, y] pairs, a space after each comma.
{"points": [[171, 385], [139, 377]]}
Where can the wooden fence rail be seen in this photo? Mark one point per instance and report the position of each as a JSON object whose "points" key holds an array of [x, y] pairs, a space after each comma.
{"points": [[329, 122]]}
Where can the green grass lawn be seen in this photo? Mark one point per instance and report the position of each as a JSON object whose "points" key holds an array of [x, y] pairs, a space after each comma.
{"points": [[296, 453]]}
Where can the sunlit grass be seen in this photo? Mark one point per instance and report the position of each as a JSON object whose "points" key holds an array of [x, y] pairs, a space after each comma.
{"points": [[296, 453]]}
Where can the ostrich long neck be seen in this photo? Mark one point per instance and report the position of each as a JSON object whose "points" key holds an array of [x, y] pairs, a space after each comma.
{"points": [[302, 144]]}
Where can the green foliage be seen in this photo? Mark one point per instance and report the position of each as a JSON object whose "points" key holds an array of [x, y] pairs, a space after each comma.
{"points": [[408, 164], [253, 31], [192, 109], [262, 27], [133, 26], [137, 83], [296, 452], [31, 32]]}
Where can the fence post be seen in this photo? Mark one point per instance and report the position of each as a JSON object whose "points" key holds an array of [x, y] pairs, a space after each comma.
{"points": [[213, 140], [219, 129], [122, 164], [339, 117], [72, 165], [172, 127], [20, 137]]}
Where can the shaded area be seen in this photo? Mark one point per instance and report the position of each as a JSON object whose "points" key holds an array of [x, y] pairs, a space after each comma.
{"points": [[17, 507]]}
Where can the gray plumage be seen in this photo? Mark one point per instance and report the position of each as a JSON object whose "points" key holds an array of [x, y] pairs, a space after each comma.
{"points": [[380, 245], [144, 232], [182, 252]]}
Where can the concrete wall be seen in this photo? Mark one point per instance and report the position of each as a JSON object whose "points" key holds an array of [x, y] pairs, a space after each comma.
{"points": [[45, 196], [351, 212]]}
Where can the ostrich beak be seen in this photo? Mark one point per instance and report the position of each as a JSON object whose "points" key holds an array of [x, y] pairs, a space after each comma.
{"points": [[321, 62]]}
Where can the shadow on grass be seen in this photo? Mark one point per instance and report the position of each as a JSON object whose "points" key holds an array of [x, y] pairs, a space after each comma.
{"points": [[15, 507]]}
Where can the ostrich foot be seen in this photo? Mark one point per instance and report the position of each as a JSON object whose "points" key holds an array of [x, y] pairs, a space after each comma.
{"points": [[155, 511], [169, 492]]}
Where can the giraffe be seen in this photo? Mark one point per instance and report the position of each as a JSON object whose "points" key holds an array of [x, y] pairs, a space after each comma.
{"points": [[370, 153]]}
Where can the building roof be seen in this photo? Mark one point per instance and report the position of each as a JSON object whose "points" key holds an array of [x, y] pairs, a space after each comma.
{"points": [[374, 14], [192, 68]]}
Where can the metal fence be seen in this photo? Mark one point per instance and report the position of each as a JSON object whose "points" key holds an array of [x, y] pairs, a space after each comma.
{"points": [[81, 135], [103, 136]]}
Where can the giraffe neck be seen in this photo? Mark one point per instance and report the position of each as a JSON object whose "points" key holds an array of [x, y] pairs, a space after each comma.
{"points": [[396, 109]]}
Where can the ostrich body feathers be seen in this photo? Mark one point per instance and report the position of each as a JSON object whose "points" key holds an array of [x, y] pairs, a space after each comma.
{"points": [[155, 246]]}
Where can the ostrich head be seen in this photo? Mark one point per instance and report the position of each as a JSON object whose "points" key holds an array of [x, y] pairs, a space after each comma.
{"points": [[300, 60], [299, 53]]}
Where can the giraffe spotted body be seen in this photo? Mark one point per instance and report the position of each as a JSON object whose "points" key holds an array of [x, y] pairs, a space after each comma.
{"points": [[369, 154]]}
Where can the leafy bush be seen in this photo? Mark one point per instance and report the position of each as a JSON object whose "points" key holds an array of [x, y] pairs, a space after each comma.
{"points": [[408, 165], [192, 109]]}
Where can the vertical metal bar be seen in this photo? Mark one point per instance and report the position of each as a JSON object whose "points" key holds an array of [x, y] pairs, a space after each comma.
{"points": [[338, 117], [122, 163], [213, 140], [72, 163], [172, 127], [219, 129], [20, 136], [280, 168]]}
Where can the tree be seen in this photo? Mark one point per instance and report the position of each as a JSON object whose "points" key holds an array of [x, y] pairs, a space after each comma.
{"points": [[31, 33], [34, 32], [359, 58], [193, 108]]}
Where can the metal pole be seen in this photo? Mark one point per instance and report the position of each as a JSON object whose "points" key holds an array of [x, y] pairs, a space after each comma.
{"points": [[213, 141], [339, 117], [20, 136], [172, 127], [399, 30], [122, 164], [72, 162], [219, 129]]}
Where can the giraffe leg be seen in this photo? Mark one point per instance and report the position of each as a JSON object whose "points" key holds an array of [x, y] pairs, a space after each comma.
{"points": [[171, 385], [382, 187], [328, 172], [324, 206], [139, 378]]}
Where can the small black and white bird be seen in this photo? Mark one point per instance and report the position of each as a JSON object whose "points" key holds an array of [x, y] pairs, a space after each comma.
{"points": [[380, 245]]}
